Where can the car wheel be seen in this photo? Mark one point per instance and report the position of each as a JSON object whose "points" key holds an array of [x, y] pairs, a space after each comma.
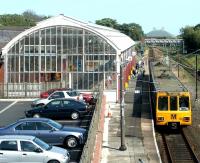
{"points": [[36, 116], [53, 161], [71, 142], [74, 115]]}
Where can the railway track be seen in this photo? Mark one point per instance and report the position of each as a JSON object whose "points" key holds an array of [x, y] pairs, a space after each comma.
{"points": [[175, 147]]}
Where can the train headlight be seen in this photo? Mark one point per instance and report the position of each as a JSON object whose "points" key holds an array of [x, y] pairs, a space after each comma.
{"points": [[186, 119], [160, 119]]}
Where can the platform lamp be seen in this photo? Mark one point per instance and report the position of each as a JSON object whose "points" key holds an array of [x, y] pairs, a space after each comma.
{"points": [[122, 120]]}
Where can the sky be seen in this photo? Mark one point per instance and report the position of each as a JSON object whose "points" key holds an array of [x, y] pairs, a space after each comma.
{"points": [[172, 15]]}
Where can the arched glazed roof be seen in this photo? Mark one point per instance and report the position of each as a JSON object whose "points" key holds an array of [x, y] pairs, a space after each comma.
{"points": [[118, 40]]}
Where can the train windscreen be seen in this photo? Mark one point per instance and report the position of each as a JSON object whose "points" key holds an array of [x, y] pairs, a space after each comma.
{"points": [[183, 103], [163, 103]]}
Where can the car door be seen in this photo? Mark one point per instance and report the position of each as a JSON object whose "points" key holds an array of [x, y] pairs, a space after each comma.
{"points": [[28, 154], [56, 95], [9, 151], [26, 128], [51, 109], [48, 134], [65, 110]]}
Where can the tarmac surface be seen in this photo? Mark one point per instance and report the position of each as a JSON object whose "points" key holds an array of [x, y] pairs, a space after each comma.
{"points": [[139, 131]]}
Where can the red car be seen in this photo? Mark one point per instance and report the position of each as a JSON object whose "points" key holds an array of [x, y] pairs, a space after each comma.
{"points": [[89, 98]]}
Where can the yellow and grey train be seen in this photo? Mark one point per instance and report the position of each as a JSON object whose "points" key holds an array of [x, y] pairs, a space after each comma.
{"points": [[171, 101]]}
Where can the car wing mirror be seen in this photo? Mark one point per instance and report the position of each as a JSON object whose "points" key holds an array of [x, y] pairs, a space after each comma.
{"points": [[38, 150], [45, 106], [53, 129]]}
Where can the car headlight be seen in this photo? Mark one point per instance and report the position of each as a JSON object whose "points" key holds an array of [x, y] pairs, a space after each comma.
{"points": [[66, 156]]}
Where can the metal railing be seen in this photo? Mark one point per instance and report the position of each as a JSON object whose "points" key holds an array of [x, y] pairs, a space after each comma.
{"points": [[29, 90]]}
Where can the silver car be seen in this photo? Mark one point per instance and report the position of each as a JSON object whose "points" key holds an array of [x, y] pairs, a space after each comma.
{"points": [[20, 148]]}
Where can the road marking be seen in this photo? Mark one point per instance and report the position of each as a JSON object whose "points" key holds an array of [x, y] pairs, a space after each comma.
{"points": [[6, 108]]}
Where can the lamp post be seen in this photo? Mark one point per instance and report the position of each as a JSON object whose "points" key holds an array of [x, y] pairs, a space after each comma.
{"points": [[196, 76], [178, 63], [196, 73], [122, 120]]}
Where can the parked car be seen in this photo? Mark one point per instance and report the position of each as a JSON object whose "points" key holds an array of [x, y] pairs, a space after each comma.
{"points": [[47, 130], [47, 93], [60, 109], [87, 97], [20, 148], [55, 95]]}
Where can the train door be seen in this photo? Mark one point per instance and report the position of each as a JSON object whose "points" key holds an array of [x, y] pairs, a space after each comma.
{"points": [[173, 116], [173, 103]]}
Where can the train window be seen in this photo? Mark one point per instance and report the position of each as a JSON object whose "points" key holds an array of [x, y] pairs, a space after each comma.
{"points": [[183, 103], [173, 103], [163, 103]]}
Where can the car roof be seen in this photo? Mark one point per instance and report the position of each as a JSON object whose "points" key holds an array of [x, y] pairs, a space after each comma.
{"points": [[33, 119], [60, 89], [17, 137], [68, 99], [65, 91]]}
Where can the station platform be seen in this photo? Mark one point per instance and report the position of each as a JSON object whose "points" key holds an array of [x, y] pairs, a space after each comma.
{"points": [[139, 131]]}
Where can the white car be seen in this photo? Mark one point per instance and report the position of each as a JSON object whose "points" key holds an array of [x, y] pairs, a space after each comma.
{"points": [[19, 149], [57, 94]]}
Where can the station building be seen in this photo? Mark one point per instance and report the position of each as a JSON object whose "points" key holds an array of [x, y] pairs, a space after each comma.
{"points": [[67, 51]]}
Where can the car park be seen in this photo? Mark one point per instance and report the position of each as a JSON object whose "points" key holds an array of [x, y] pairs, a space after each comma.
{"points": [[60, 109], [21, 148], [47, 130], [57, 94]]}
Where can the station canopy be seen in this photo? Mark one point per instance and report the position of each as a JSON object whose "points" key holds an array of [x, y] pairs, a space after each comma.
{"points": [[119, 41]]}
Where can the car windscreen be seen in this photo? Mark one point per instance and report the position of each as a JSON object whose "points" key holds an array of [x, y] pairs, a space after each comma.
{"points": [[73, 93], [42, 144], [55, 124]]}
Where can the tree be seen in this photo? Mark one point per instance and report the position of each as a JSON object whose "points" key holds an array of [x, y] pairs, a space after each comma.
{"points": [[15, 20], [133, 30], [191, 37], [29, 14], [108, 22]]}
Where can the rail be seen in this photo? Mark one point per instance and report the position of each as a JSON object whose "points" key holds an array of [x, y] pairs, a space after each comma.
{"points": [[178, 147]]}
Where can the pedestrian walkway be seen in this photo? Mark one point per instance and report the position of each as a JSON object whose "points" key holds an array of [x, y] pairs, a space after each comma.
{"points": [[139, 137]]}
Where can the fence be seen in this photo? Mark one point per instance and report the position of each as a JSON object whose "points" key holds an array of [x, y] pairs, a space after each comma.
{"points": [[30, 90]]}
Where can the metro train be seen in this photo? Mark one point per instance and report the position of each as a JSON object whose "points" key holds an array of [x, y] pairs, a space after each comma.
{"points": [[171, 101]]}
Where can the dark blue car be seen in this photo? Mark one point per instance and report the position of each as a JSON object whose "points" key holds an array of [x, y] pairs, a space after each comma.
{"points": [[47, 130], [60, 109]]}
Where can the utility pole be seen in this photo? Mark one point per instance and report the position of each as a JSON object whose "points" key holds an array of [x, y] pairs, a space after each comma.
{"points": [[178, 63], [122, 120], [196, 76]]}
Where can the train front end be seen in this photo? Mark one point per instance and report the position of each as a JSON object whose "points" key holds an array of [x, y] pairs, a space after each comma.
{"points": [[173, 109]]}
